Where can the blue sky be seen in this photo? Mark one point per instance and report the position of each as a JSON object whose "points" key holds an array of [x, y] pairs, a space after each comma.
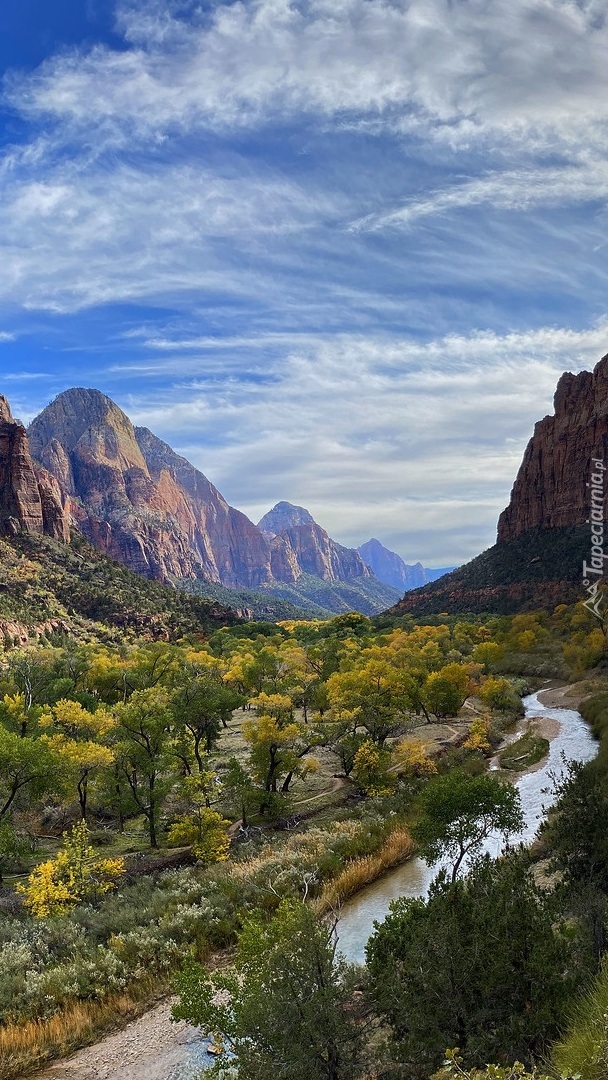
{"points": [[335, 251]]}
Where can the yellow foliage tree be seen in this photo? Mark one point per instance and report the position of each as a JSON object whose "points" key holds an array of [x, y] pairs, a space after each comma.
{"points": [[412, 758], [478, 735], [206, 831], [371, 770], [74, 876]]}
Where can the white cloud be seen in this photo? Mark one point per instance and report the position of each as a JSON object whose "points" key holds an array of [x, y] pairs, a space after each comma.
{"points": [[5, 336], [511, 190], [74, 239], [512, 66], [417, 442]]}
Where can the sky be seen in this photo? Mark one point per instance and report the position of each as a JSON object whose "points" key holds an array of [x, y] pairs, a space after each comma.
{"points": [[336, 252]]}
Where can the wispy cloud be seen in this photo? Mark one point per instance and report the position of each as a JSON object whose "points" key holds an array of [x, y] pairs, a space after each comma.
{"points": [[418, 442]]}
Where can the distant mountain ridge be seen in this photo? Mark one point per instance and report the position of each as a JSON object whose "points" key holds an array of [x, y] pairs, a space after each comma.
{"points": [[392, 570]]}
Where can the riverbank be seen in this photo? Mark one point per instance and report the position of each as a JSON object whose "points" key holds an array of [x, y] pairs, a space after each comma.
{"points": [[111, 1052], [149, 1048]]}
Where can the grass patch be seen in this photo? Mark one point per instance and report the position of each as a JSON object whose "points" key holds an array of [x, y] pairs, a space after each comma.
{"points": [[398, 846], [528, 750], [27, 1046]]}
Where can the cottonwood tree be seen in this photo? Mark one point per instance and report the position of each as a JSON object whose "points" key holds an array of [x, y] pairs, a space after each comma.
{"points": [[459, 812]]}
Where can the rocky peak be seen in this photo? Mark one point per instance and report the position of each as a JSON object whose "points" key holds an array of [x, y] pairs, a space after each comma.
{"points": [[284, 515], [6, 416], [550, 489]]}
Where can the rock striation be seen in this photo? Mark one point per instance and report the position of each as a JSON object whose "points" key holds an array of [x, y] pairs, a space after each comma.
{"points": [[550, 490], [30, 499]]}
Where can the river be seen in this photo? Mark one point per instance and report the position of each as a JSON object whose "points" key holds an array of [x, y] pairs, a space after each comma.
{"points": [[149, 1050], [574, 740]]}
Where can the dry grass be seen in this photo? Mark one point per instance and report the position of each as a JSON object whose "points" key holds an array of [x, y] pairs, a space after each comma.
{"points": [[28, 1046], [397, 847]]}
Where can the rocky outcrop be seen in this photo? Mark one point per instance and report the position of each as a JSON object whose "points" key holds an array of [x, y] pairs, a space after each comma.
{"points": [[30, 501], [284, 515], [550, 490]]}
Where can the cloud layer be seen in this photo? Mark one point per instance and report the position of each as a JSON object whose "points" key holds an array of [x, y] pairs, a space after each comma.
{"points": [[336, 250]]}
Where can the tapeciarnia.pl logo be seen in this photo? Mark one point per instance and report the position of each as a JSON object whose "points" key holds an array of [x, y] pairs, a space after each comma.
{"points": [[593, 571]]}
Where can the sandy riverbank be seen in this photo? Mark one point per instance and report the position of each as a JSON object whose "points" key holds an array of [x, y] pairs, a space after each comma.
{"points": [[564, 697], [149, 1048]]}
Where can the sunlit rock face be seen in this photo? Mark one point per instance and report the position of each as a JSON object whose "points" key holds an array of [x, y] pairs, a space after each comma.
{"points": [[550, 490], [139, 501]]}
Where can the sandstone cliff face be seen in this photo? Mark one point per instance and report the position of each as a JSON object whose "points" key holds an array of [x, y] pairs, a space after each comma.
{"points": [[138, 501], [300, 546], [314, 552], [550, 490], [142, 504], [30, 500]]}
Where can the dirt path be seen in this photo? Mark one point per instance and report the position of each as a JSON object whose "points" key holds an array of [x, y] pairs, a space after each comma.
{"points": [[149, 1048]]}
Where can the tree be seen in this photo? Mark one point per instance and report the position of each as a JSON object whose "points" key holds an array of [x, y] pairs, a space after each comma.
{"points": [[205, 830], [374, 692], [201, 705], [75, 875], [446, 690], [460, 812], [487, 963], [577, 827], [371, 770], [282, 1010], [144, 751], [279, 744], [27, 766]]}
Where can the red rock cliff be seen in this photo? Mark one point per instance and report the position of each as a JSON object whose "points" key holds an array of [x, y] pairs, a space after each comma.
{"points": [[550, 489], [30, 500]]}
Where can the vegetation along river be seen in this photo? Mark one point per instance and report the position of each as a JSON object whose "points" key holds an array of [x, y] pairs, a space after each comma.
{"points": [[413, 878], [151, 1048]]}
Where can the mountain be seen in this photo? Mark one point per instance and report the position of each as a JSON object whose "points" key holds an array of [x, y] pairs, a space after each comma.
{"points": [[284, 516], [544, 533], [324, 573], [148, 508], [139, 501], [392, 570], [304, 545]]}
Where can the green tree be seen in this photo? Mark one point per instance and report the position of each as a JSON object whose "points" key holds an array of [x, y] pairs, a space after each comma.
{"points": [[282, 1010], [27, 767], [144, 751], [459, 812], [486, 963]]}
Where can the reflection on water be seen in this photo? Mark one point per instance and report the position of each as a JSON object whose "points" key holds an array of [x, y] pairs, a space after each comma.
{"points": [[414, 877]]}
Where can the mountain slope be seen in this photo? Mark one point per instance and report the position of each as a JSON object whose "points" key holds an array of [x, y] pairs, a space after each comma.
{"points": [[48, 587], [391, 569]]}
